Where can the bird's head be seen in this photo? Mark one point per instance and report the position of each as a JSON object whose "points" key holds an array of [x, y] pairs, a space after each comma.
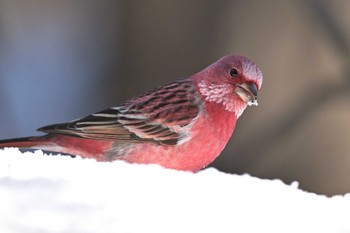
{"points": [[232, 81]]}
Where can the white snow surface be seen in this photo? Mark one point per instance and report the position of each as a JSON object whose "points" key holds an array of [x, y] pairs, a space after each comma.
{"points": [[40, 193]]}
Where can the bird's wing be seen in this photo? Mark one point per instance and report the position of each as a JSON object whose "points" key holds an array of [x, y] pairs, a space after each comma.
{"points": [[159, 115]]}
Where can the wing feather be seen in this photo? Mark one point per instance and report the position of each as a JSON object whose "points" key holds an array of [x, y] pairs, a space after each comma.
{"points": [[159, 115]]}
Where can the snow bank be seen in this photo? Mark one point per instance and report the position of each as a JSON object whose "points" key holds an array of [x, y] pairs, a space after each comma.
{"points": [[60, 194]]}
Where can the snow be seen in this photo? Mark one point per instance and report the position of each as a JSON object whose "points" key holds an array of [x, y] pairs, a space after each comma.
{"points": [[40, 193]]}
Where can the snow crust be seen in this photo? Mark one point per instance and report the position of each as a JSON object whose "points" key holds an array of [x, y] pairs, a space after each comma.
{"points": [[40, 193]]}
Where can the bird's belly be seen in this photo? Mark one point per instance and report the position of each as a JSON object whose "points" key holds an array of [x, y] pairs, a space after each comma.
{"points": [[206, 143]]}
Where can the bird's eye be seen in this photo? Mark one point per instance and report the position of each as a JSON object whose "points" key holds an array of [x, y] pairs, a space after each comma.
{"points": [[234, 72]]}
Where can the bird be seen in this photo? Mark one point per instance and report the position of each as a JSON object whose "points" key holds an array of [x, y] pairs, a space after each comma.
{"points": [[183, 125]]}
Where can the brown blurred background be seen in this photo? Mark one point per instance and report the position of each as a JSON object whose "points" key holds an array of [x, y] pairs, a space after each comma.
{"points": [[60, 60]]}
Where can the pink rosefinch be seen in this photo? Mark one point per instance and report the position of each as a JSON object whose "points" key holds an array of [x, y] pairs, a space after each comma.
{"points": [[183, 125]]}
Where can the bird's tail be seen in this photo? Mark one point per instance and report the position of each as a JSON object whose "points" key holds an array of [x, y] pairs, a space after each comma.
{"points": [[27, 142], [61, 144]]}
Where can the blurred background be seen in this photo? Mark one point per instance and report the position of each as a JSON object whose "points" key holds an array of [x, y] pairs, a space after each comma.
{"points": [[61, 60]]}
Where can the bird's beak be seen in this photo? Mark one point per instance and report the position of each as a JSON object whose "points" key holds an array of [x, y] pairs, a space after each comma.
{"points": [[248, 93]]}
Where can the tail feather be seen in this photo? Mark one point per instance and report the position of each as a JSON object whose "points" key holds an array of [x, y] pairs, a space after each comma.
{"points": [[62, 144], [27, 142]]}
